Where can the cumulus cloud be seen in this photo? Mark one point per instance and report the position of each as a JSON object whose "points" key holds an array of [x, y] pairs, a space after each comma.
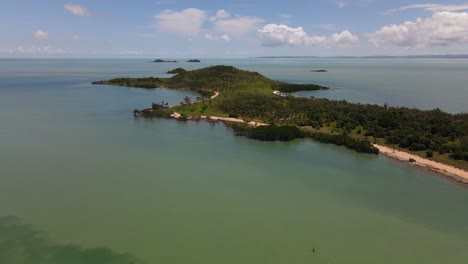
{"points": [[185, 23], [41, 35], [213, 37], [220, 14], [281, 35], [442, 29], [36, 50], [77, 10], [238, 26], [431, 8], [343, 39]]}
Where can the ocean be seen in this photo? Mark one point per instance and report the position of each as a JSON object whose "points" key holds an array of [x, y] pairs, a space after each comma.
{"points": [[82, 180]]}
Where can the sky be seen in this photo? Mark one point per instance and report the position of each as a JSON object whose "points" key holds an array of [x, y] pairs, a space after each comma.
{"points": [[230, 29]]}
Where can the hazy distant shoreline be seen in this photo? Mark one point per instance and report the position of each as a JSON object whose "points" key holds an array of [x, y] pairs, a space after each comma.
{"points": [[461, 56]]}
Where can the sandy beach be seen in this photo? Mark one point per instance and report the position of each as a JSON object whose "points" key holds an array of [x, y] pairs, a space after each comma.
{"points": [[177, 115], [446, 170], [236, 120], [216, 94]]}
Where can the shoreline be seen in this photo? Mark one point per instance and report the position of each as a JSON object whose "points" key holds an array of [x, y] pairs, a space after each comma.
{"points": [[177, 115], [459, 175], [451, 172]]}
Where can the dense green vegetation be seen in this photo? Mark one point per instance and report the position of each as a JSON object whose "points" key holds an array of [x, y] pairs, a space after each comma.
{"points": [[193, 60], [410, 129], [362, 146], [291, 88], [248, 95], [176, 71], [269, 133], [148, 83], [288, 133]]}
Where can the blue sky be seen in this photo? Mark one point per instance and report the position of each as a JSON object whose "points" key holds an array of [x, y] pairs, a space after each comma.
{"points": [[225, 29]]}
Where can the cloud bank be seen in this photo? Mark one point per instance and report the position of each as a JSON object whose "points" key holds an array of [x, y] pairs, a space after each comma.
{"points": [[442, 29], [273, 35], [37, 50], [431, 8]]}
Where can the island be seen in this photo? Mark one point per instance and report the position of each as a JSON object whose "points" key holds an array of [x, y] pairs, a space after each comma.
{"points": [[176, 71], [247, 102], [319, 70], [160, 60], [193, 60]]}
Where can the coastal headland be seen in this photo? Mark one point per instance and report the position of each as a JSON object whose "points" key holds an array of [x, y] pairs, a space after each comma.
{"points": [[249, 101]]}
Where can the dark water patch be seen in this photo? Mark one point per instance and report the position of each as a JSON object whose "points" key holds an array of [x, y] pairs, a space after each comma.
{"points": [[23, 244]]}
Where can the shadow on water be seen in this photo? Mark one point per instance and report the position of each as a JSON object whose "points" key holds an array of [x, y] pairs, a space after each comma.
{"points": [[22, 244]]}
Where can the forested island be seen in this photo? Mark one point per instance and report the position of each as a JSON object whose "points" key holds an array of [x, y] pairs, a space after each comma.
{"points": [[248, 96], [193, 60], [176, 71], [160, 60]]}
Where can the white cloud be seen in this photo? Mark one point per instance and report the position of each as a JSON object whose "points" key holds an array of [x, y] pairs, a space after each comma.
{"points": [[76, 37], [282, 35], [279, 35], [36, 50], [131, 52], [343, 39], [238, 26], [185, 23], [224, 37], [77, 10], [442, 29], [41, 35], [285, 16], [431, 8], [220, 14]]}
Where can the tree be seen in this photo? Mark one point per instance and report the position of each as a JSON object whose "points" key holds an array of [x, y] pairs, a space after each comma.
{"points": [[187, 100], [429, 154]]}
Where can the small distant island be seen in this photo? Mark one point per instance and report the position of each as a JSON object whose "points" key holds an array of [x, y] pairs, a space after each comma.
{"points": [[176, 71], [249, 103], [321, 70], [160, 60], [193, 60]]}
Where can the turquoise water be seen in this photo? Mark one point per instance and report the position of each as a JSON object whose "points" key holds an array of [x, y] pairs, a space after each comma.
{"points": [[80, 180]]}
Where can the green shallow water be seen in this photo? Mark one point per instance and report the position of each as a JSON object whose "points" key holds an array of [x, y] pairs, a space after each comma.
{"points": [[101, 187]]}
